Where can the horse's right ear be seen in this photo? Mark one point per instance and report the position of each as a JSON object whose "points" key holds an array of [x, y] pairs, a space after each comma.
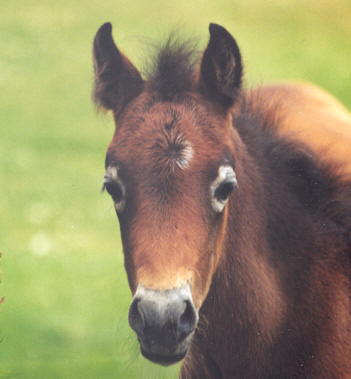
{"points": [[117, 81], [221, 68]]}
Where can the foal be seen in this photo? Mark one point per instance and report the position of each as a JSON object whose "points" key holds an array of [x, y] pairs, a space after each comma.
{"points": [[237, 241]]}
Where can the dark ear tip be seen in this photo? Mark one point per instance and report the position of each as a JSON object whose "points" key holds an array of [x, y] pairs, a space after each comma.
{"points": [[106, 28], [103, 37], [216, 29], [212, 27]]}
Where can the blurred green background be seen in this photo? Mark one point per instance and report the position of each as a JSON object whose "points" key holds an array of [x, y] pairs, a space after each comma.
{"points": [[65, 314]]}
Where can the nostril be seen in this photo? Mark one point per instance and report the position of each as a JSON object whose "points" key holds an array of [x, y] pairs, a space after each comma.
{"points": [[135, 317], [187, 321]]}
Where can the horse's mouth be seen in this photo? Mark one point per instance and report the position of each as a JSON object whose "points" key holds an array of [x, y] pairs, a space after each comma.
{"points": [[162, 354], [164, 360]]}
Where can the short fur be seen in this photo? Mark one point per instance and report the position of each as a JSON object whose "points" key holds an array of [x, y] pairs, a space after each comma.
{"points": [[271, 275]]}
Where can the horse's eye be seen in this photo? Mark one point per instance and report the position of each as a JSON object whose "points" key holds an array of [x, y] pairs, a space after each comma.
{"points": [[115, 191], [115, 187], [222, 187], [224, 190]]}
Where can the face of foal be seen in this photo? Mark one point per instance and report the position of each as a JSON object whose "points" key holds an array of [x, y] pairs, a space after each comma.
{"points": [[170, 170]]}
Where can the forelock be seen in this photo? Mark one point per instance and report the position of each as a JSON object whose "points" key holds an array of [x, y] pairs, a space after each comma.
{"points": [[172, 69]]}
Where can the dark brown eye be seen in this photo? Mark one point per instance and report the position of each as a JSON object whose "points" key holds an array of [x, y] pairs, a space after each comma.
{"points": [[223, 191], [114, 190]]}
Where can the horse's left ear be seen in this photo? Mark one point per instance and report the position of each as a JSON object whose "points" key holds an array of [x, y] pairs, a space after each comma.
{"points": [[117, 81], [221, 68]]}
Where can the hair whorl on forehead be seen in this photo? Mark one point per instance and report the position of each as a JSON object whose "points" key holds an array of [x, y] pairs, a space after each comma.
{"points": [[172, 69]]}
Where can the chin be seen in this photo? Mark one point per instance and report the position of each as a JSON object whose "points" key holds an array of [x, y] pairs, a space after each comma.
{"points": [[163, 359], [164, 354]]}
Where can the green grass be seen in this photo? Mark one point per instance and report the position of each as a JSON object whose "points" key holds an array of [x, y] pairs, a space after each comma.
{"points": [[65, 314]]}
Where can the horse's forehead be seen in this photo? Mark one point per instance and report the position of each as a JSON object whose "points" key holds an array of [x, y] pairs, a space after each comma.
{"points": [[167, 138], [160, 128], [159, 116]]}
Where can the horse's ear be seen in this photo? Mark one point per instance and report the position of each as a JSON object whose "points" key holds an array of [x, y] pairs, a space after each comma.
{"points": [[117, 81], [221, 68]]}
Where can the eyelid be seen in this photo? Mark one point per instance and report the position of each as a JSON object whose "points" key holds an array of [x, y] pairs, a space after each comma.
{"points": [[110, 176]]}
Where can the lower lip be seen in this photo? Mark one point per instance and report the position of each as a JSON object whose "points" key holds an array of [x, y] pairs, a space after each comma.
{"points": [[164, 360]]}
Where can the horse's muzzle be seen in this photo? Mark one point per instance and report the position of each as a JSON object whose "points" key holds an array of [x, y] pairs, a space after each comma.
{"points": [[164, 322]]}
